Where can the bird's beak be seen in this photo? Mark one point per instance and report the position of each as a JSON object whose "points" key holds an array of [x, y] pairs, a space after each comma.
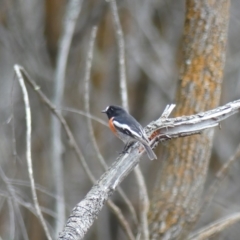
{"points": [[103, 111]]}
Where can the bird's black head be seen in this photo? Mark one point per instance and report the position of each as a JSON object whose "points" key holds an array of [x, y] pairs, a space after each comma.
{"points": [[113, 111]]}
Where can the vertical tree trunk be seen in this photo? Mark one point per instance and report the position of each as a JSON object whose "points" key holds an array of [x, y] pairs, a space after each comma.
{"points": [[178, 190]]}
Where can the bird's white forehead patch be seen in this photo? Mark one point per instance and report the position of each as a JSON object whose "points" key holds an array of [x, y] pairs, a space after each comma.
{"points": [[106, 109]]}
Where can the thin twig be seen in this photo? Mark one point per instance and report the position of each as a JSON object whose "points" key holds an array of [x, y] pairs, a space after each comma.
{"points": [[89, 122], [144, 200], [20, 199], [21, 223], [29, 206], [220, 176], [86, 211], [121, 55], [13, 124], [72, 11], [76, 148], [28, 149], [54, 110], [12, 194], [37, 186], [144, 203], [11, 219], [83, 113], [215, 227], [14, 199], [86, 95], [121, 219]]}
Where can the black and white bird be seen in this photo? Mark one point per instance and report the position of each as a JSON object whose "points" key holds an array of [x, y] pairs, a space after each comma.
{"points": [[127, 128]]}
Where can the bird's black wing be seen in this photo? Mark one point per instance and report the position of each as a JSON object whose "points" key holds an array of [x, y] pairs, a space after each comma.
{"points": [[130, 126]]}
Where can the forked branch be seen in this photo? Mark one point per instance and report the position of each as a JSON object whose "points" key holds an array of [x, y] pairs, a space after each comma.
{"points": [[86, 211]]}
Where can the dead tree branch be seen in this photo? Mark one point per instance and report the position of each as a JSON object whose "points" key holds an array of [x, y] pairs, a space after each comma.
{"points": [[115, 209], [220, 176], [28, 149], [215, 227], [86, 211]]}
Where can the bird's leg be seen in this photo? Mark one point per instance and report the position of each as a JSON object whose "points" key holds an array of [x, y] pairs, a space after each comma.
{"points": [[127, 146]]}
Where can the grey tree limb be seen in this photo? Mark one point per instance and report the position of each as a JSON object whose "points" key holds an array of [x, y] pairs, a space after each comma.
{"points": [[86, 211]]}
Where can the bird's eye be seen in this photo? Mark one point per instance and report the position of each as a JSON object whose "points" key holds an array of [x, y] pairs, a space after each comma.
{"points": [[127, 131]]}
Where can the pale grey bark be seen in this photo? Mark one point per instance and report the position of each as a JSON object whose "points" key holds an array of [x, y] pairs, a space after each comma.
{"points": [[86, 211]]}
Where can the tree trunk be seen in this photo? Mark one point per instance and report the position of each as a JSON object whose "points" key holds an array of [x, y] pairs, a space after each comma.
{"points": [[178, 190]]}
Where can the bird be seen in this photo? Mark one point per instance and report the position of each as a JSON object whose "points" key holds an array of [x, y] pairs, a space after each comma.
{"points": [[127, 128]]}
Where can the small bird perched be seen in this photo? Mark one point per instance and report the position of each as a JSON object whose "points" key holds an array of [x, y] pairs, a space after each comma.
{"points": [[126, 127]]}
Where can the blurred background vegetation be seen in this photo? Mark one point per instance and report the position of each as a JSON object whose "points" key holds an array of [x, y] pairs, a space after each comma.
{"points": [[30, 35]]}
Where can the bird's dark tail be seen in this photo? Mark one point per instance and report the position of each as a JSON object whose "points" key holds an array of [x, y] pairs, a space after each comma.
{"points": [[149, 151]]}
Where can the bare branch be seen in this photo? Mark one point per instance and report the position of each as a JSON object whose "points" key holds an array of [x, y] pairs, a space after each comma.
{"points": [[12, 203], [116, 210], [168, 110], [215, 227], [89, 122], [86, 95], [121, 220], [72, 11], [11, 218], [85, 212], [37, 186], [15, 205], [71, 15], [144, 203], [13, 125], [28, 149], [128, 204], [54, 110], [83, 113], [220, 176], [29, 206], [121, 54], [124, 99]]}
